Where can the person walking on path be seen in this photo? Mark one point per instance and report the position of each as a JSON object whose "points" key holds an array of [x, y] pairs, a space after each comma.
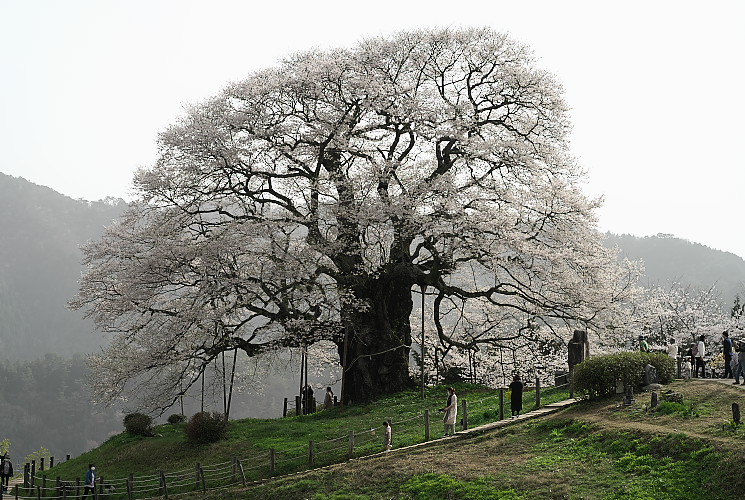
{"points": [[727, 349], [736, 361], [388, 438], [741, 361], [516, 395], [6, 471], [700, 352], [451, 412], [90, 481]]}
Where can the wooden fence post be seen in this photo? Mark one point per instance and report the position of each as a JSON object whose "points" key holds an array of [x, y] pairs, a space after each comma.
{"points": [[204, 480], [41, 464], [284, 409], [77, 486], [465, 415], [298, 407], [196, 484], [501, 404], [131, 494], [243, 474], [571, 385], [350, 451], [426, 424], [51, 462], [310, 453], [129, 489], [33, 473], [163, 484], [38, 492], [44, 482], [233, 468], [272, 460], [537, 393], [736, 413]]}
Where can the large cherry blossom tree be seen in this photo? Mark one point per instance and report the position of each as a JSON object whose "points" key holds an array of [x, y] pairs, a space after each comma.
{"points": [[307, 201]]}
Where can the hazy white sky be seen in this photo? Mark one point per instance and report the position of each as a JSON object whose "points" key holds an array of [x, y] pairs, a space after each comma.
{"points": [[655, 88]]}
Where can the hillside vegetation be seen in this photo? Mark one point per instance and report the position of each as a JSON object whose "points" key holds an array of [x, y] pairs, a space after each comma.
{"points": [[598, 449]]}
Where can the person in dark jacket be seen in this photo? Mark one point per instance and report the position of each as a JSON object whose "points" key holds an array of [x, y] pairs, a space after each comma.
{"points": [[6, 471], [90, 481], [516, 397]]}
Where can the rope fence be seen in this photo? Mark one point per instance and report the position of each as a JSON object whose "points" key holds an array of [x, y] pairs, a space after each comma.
{"points": [[414, 428]]}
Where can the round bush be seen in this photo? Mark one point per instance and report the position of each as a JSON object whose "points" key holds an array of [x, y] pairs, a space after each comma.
{"points": [[138, 424], [176, 418], [597, 375], [205, 427]]}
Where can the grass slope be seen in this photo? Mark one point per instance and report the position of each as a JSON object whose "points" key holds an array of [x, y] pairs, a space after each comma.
{"points": [[598, 449], [250, 440]]}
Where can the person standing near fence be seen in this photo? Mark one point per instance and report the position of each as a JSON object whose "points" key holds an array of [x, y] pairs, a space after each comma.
{"points": [[700, 353], [451, 412], [727, 350], [328, 401], [516, 395], [90, 481], [388, 439]]}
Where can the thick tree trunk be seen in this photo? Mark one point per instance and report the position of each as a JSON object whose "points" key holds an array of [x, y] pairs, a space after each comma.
{"points": [[378, 342]]}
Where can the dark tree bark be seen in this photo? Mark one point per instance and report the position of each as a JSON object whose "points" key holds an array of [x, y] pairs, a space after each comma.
{"points": [[379, 339]]}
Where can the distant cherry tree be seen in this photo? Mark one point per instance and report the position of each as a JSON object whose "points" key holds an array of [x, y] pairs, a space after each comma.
{"points": [[309, 200]]}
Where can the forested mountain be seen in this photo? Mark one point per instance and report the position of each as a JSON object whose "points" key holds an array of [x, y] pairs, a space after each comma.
{"points": [[668, 259], [40, 266]]}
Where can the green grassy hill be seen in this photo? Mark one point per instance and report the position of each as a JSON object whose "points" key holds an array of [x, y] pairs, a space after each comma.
{"points": [[597, 449]]}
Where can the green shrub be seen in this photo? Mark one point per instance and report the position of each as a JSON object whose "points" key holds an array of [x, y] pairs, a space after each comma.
{"points": [[597, 376], [176, 418], [205, 427], [138, 424]]}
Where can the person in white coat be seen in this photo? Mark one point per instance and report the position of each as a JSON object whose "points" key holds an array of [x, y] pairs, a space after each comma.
{"points": [[451, 412]]}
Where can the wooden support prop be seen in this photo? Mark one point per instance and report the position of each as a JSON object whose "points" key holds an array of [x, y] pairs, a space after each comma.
{"points": [[426, 425], [537, 393], [501, 404], [465, 415]]}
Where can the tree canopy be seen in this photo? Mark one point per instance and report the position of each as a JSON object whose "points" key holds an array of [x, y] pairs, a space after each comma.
{"points": [[307, 201]]}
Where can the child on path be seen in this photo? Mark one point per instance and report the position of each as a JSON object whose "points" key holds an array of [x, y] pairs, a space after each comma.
{"points": [[387, 444]]}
